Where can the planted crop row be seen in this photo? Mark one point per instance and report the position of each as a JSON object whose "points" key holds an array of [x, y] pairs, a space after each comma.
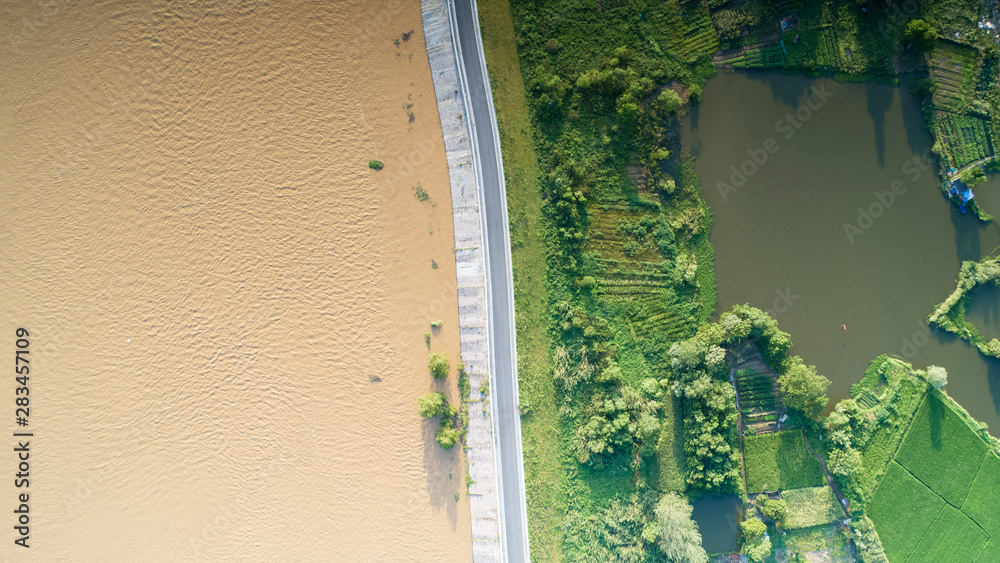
{"points": [[765, 57]]}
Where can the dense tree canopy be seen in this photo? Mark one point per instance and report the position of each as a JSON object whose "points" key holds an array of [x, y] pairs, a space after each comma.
{"points": [[803, 388]]}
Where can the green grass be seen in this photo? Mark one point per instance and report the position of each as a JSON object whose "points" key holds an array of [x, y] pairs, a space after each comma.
{"points": [[983, 501], [941, 450], [902, 510], [809, 507], [779, 461], [952, 537], [670, 449], [544, 472]]}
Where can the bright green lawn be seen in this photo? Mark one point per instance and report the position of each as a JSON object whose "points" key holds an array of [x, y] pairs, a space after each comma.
{"points": [[952, 537], [779, 461], [902, 510], [941, 450]]}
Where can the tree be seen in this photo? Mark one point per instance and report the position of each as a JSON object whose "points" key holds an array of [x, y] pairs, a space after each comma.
{"points": [[973, 177], [922, 34], [758, 549], [669, 100], [446, 434], [803, 388], [845, 462], [774, 509], [752, 528], [937, 376], [680, 539], [432, 404], [439, 365]]}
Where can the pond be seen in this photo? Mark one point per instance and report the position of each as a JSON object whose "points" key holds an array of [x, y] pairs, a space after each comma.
{"points": [[828, 216], [718, 522]]}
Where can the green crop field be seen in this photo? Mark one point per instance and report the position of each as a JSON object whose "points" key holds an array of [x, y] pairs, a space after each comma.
{"points": [[984, 496], [813, 506], [952, 537], [941, 450], [942, 464], [779, 461], [902, 510]]}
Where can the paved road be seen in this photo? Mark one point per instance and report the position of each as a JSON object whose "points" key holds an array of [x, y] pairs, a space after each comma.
{"points": [[507, 421]]}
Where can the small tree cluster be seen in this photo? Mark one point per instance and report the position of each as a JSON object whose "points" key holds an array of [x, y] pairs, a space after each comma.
{"points": [[435, 404], [439, 365]]}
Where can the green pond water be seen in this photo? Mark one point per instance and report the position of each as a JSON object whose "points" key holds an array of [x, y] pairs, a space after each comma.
{"points": [[833, 219]]}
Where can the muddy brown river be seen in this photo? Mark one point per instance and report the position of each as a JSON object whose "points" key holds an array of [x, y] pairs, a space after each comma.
{"points": [[226, 306]]}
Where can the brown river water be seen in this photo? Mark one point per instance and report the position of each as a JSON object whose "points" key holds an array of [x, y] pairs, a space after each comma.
{"points": [[226, 307]]}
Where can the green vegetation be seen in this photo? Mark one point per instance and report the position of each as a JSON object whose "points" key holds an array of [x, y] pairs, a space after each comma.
{"points": [[435, 404], [774, 510], [937, 501], [420, 193], [941, 450], [950, 315], [803, 388], [921, 34], [809, 507], [756, 546], [779, 461], [677, 533], [902, 510], [624, 386], [375, 164], [866, 540], [439, 365], [952, 537]]}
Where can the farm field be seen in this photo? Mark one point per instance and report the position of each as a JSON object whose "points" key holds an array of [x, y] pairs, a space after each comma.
{"points": [[813, 506], [937, 501], [941, 451], [779, 461]]}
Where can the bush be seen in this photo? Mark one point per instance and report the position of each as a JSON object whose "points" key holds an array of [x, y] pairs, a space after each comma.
{"points": [[446, 434], [432, 404], [375, 164], [922, 34], [774, 510], [439, 365]]}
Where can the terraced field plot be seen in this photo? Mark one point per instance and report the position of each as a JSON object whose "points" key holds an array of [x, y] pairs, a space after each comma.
{"points": [[633, 268], [965, 138], [938, 499], [952, 68]]}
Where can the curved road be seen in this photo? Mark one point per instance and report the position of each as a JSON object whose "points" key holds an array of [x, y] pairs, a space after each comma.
{"points": [[503, 348]]}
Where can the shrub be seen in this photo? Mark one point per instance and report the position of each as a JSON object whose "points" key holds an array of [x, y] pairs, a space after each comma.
{"points": [[439, 365], [774, 510], [922, 34], [679, 538], [446, 434], [418, 191], [432, 404], [375, 164]]}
